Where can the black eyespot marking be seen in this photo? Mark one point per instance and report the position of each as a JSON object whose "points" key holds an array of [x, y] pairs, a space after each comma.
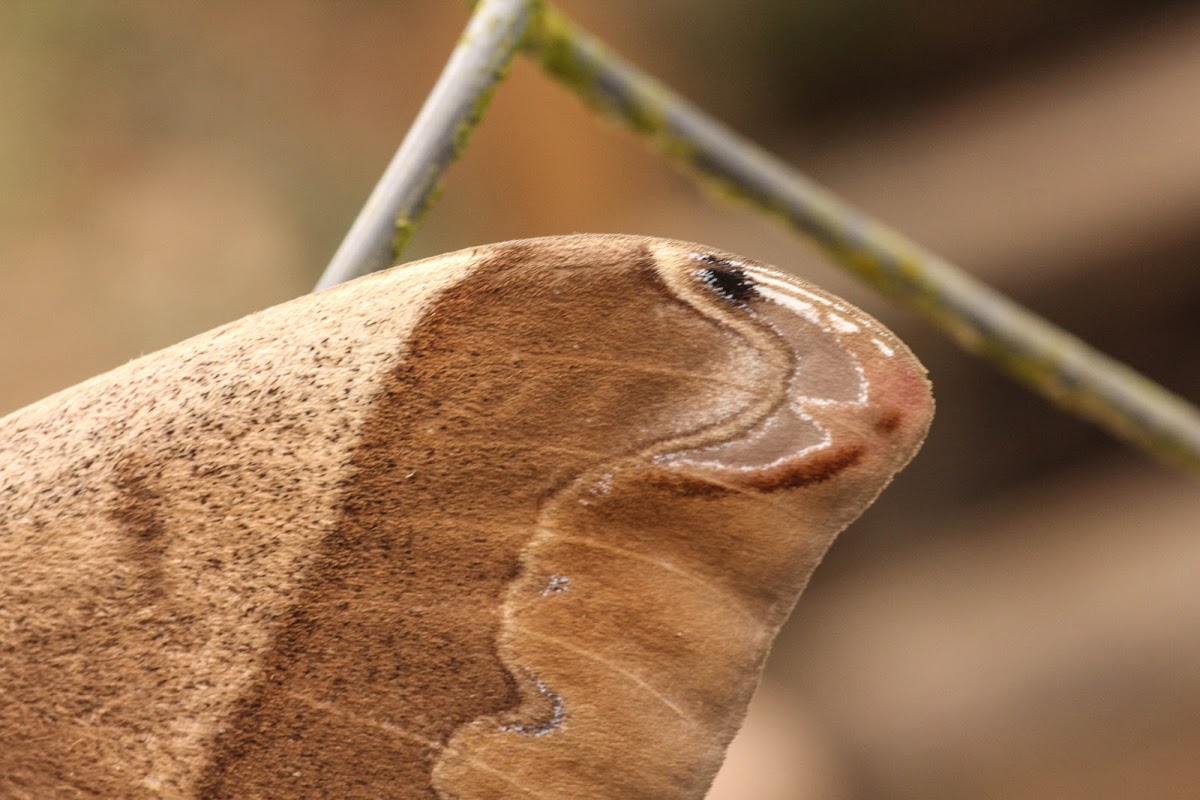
{"points": [[726, 280]]}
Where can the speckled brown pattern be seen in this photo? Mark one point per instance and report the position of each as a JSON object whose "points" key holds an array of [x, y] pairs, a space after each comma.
{"points": [[516, 521]]}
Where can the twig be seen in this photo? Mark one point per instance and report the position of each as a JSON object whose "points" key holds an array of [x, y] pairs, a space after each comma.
{"points": [[1042, 356], [410, 184]]}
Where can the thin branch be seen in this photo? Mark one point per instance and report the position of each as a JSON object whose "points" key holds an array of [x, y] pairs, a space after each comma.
{"points": [[441, 130], [982, 321]]}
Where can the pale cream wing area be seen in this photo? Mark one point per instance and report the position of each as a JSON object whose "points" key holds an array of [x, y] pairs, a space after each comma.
{"points": [[156, 521], [519, 521]]}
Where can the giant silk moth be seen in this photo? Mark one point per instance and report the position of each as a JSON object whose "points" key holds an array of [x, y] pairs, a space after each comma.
{"points": [[517, 521]]}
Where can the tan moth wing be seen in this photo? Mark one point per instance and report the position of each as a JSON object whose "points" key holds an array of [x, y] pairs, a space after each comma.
{"points": [[519, 521]]}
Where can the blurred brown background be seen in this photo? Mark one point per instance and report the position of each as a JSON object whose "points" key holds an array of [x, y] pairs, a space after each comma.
{"points": [[1019, 617]]}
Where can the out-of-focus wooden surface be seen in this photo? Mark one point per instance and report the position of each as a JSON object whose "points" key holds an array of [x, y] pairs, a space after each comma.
{"points": [[1017, 617]]}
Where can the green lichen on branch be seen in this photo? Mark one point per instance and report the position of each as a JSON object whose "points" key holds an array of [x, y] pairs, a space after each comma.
{"points": [[1046, 359], [484, 84], [577, 59], [413, 179]]}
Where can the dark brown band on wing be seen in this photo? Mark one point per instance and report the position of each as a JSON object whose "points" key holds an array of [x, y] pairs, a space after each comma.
{"points": [[137, 514], [805, 471], [391, 645], [708, 481]]}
